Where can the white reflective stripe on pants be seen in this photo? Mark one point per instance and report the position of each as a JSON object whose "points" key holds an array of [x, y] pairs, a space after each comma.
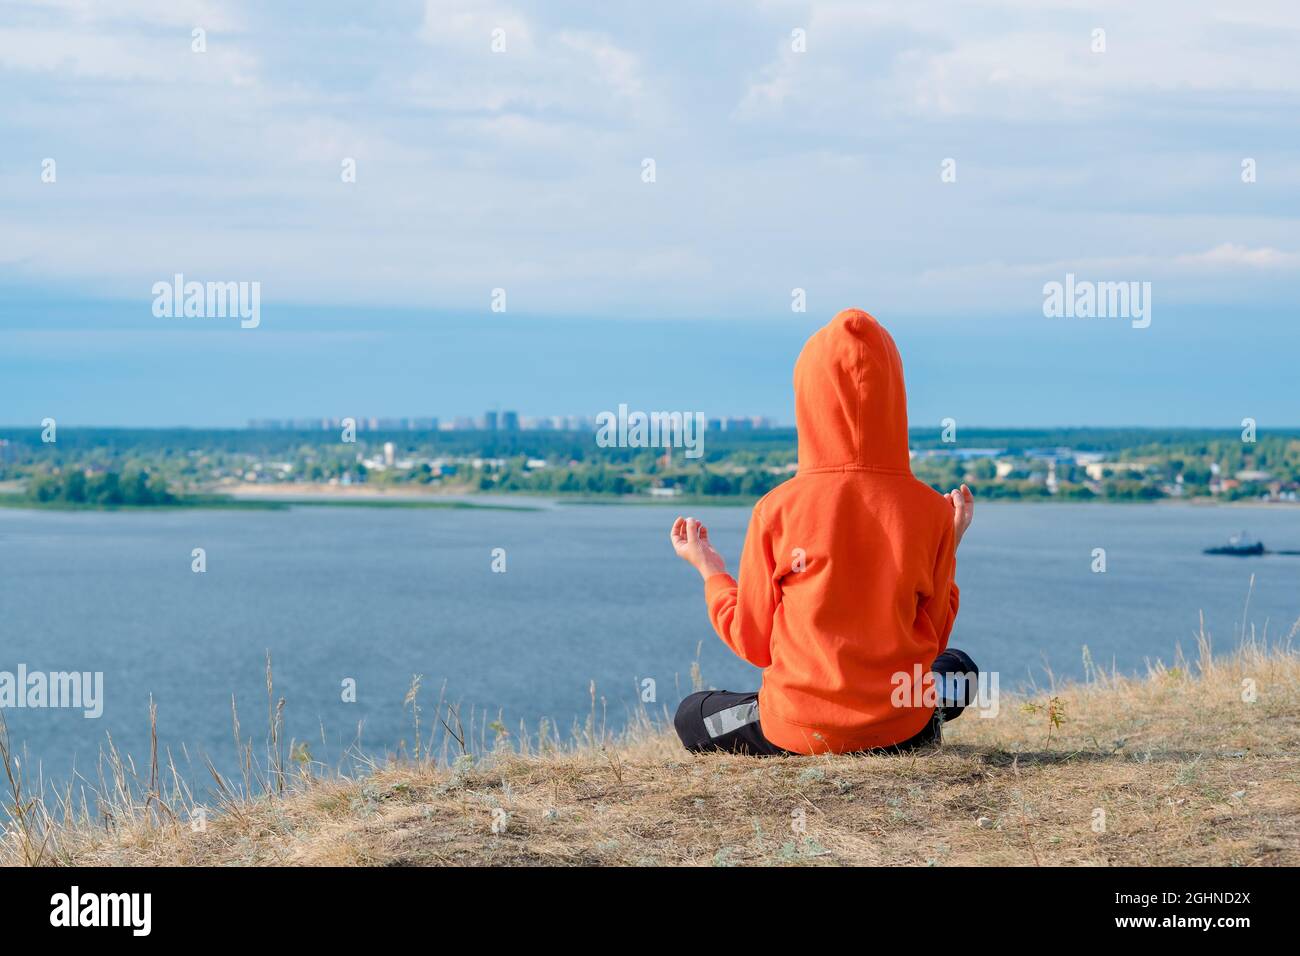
{"points": [[733, 718]]}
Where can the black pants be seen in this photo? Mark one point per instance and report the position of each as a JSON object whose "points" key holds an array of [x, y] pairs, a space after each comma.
{"points": [[727, 721]]}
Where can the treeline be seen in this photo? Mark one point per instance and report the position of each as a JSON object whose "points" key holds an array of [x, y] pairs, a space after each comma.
{"points": [[1109, 440], [598, 480], [1277, 454], [99, 445], [1110, 491], [105, 489], [27, 447]]}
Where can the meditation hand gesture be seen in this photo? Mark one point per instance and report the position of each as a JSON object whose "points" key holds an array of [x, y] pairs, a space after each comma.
{"points": [[690, 540], [963, 511]]}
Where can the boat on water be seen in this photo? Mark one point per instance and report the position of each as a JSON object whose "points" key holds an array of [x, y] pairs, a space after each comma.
{"points": [[1239, 545]]}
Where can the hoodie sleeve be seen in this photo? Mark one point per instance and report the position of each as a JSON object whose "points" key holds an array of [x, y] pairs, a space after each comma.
{"points": [[742, 613], [942, 603]]}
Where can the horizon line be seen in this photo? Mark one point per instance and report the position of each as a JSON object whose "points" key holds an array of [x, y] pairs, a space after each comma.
{"points": [[766, 428]]}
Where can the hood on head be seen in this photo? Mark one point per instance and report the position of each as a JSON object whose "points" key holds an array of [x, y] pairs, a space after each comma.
{"points": [[850, 405]]}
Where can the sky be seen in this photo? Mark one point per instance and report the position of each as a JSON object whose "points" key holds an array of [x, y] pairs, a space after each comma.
{"points": [[936, 164]]}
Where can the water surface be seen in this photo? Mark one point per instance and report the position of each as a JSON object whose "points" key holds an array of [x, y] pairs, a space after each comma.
{"points": [[591, 593]]}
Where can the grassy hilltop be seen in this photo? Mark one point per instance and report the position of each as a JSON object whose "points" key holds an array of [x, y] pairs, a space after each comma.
{"points": [[1185, 771]]}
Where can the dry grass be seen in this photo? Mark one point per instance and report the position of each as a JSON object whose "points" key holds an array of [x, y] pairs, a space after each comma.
{"points": [[1185, 770]]}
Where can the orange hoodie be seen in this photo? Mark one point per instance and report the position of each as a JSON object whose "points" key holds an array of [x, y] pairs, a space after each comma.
{"points": [[876, 595]]}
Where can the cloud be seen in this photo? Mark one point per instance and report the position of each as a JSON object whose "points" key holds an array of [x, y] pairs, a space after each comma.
{"points": [[210, 14], [775, 168], [1227, 257], [467, 26], [572, 72], [1006, 59], [1232, 256], [91, 54]]}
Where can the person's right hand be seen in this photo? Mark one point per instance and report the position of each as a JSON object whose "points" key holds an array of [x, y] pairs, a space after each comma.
{"points": [[690, 540], [963, 512]]}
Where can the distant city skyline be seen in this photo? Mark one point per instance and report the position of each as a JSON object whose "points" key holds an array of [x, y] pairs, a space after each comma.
{"points": [[491, 420]]}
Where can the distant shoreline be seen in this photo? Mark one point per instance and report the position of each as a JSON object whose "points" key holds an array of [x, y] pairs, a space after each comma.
{"points": [[364, 493], [281, 497], [278, 502]]}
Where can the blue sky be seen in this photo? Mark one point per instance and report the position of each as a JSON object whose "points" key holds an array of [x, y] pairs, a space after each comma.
{"points": [[775, 169]]}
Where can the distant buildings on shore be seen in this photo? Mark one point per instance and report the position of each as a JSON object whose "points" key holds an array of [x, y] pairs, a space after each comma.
{"points": [[492, 421], [1050, 466]]}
